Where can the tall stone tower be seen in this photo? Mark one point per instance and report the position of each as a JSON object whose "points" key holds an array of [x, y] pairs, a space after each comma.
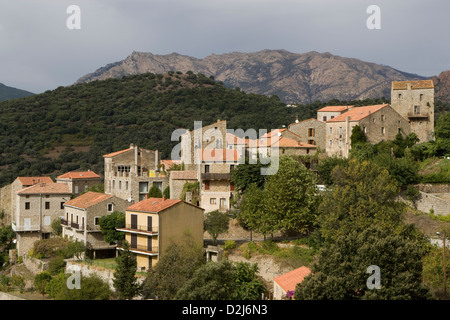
{"points": [[414, 100]]}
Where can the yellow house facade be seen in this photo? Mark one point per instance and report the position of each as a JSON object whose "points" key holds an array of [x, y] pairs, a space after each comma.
{"points": [[152, 224]]}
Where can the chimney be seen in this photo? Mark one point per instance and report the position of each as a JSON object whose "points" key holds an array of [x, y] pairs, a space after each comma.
{"points": [[146, 196], [164, 198]]}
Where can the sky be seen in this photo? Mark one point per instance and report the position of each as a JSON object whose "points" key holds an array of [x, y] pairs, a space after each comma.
{"points": [[39, 52]]}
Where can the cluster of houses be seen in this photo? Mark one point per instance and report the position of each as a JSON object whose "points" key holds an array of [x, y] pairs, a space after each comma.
{"points": [[207, 156]]}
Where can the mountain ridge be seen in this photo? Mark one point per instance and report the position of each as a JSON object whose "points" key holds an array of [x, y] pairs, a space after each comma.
{"points": [[293, 77], [7, 93]]}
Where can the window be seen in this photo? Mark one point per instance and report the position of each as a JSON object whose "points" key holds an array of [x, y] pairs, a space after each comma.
{"points": [[27, 223], [330, 142], [364, 129], [332, 117], [62, 205], [207, 185], [206, 168], [383, 131], [382, 117], [416, 109], [45, 235], [47, 196], [399, 95], [27, 206], [120, 184], [158, 184], [331, 130], [231, 186], [324, 118], [46, 220], [340, 143], [86, 188], [212, 201], [47, 205], [76, 189], [110, 207], [126, 185], [421, 97], [311, 132], [123, 168], [96, 221], [373, 120], [143, 190], [310, 141], [340, 132], [231, 167]]}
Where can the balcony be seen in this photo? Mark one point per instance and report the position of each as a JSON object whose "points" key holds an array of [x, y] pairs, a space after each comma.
{"points": [[415, 115], [64, 222], [139, 229], [216, 176], [21, 228], [152, 251]]}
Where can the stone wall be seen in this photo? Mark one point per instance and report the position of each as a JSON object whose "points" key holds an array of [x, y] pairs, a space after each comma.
{"points": [[434, 188], [5, 296], [35, 265], [439, 202]]}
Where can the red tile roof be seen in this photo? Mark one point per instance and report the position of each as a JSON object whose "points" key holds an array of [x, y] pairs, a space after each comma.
{"points": [[46, 188], [79, 175], [289, 280], [153, 205], [88, 199], [29, 181], [358, 113], [334, 108], [310, 119], [169, 163], [109, 155], [284, 143]]}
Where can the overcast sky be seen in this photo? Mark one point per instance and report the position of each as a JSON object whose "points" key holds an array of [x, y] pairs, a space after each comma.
{"points": [[39, 52]]}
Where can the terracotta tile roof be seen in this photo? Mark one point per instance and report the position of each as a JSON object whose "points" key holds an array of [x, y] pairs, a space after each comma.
{"points": [[418, 84], [109, 155], [235, 140], [88, 199], [334, 108], [154, 205], [273, 133], [358, 113], [183, 175], [289, 280], [29, 181], [284, 143], [218, 155], [46, 188], [79, 175]]}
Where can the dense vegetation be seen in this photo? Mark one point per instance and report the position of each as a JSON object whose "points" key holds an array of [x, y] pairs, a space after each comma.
{"points": [[71, 127]]}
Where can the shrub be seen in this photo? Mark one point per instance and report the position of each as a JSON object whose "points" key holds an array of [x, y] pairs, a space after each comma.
{"points": [[229, 245]]}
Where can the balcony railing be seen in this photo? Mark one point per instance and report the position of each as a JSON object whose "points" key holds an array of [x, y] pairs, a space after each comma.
{"points": [[19, 228], [141, 228], [64, 222], [417, 115], [140, 248]]}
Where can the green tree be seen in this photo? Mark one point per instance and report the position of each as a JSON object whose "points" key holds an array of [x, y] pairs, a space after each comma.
{"points": [[212, 281], [216, 222], [341, 270], [442, 133], [108, 225], [41, 280], [246, 174], [154, 192], [433, 270], [125, 281], [292, 197], [326, 166], [252, 214], [166, 192], [175, 267], [357, 136], [91, 288], [56, 227], [248, 285], [55, 285], [363, 194]]}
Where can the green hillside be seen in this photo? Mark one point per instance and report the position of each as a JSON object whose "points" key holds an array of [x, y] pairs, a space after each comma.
{"points": [[12, 93], [71, 127]]}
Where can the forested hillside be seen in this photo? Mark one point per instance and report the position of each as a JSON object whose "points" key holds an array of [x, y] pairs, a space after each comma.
{"points": [[70, 128]]}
